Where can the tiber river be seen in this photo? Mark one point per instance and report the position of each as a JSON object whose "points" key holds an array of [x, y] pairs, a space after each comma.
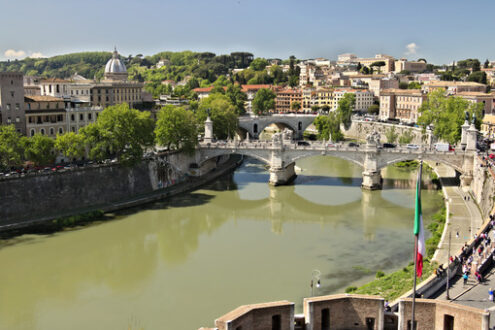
{"points": [[182, 263]]}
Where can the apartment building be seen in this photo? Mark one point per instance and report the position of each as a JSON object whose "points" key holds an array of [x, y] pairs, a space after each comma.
{"points": [[285, 98], [389, 62], [316, 97], [364, 98], [412, 66], [454, 87], [45, 115], [479, 97], [401, 104], [12, 100]]}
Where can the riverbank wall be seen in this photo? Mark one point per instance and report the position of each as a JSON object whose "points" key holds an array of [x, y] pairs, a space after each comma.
{"points": [[359, 129], [32, 200]]}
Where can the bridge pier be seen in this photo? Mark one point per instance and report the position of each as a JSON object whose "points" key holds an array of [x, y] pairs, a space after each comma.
{"points": [[282, 176], [372, 180]]}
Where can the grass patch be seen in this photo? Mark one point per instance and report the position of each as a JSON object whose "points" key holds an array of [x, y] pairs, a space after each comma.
{"points": [[407, 164], [393, 285], [76, 220]]}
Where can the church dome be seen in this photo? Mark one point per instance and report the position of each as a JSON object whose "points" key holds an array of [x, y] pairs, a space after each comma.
{"points": [[114, 65]]}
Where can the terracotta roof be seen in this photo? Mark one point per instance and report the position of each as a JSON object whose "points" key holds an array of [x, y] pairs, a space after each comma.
{"points": [[254, 87], [452, 83], [397, 91], [44, 98], [203, 89], [474, 94]]}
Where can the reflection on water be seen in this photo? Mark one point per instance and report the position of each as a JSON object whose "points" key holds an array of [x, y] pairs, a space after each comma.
{"points": [[181, 263]]}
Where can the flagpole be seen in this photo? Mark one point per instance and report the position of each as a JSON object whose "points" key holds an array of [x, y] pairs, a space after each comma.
{"points": [[418, 191]]}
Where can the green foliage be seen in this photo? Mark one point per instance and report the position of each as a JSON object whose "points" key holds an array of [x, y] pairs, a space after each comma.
{"points": [[263, 101], [374, 109], [10, 147], [350, 289], [76, 220], [237, 98], [176, 128], [222, 113], [70, 144], [329, 127], [478, 76], [87, 64], [345, 108], [293, 73], [379, 274], [38, 149], [409, 165], [295, 106], [119, 131], [414, 85], [446, 114], [391, 135], [258, 64], [403, 85], [406, 137]]}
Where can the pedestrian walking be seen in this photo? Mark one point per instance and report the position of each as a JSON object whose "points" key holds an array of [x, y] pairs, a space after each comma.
{"points": [[490, 294], [465, 278]]}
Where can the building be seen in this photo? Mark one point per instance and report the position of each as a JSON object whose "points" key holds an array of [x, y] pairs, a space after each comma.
{"points": [[490, 76], [389, 62], [402, 104], [377, 85], [364, 98], [55, 87], [411, 66], [203, 92], [312, 74], [454, 87], [45, 115], [285, 98], [12, 100], [352, 311], [78, 116], [251, 91], [479, 97], [346, 58], [32, 90], [115, 88], [488, 126]]}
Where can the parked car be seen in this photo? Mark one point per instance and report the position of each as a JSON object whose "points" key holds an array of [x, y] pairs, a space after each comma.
{"points": [[491, 156], [412, 146], [303, 143], [389, 145], [353, 144], [331, 145]]}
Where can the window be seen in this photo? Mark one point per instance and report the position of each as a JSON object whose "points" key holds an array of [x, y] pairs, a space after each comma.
{"points": [[370, 323], [12, 93], [325, 319], [72, 118], [89, 116], [73, 129], [42, 131], [17, 106], [448, 322], [17, 119], [9, 120], [81, 117], [60, 130], [409, 325], [7, 106], [58, 88], [52, 131], [276, 322], [32, 132]]}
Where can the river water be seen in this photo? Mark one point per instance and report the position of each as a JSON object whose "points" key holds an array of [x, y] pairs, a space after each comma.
{"points": [[182, 263]]}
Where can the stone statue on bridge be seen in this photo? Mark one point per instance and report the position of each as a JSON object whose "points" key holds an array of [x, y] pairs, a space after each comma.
{"points": [[287, 134], [373, 138]]}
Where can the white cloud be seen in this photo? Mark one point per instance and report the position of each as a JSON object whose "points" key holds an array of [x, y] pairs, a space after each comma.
{"points": [[37, 55], [412, 48], [12, 53]]}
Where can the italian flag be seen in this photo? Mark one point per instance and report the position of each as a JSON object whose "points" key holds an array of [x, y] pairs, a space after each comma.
{"points": [[418, 227]]}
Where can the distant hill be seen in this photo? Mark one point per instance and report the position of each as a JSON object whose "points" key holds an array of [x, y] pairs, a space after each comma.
{"points": [[87, 64]]}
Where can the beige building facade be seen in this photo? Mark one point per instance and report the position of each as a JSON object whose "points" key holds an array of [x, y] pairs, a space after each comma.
{"points": [[12, 111], [45, 115], [402, 104], [411, 66]]}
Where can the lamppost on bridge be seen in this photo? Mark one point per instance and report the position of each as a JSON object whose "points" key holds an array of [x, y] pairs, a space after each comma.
{"points": [[315, 280]]}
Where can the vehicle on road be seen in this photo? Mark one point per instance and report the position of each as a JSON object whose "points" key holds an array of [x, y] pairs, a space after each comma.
{"points": [[353, 144], [303, 143], [442, 146], [491, 156], [412, 146], [389, 145]]}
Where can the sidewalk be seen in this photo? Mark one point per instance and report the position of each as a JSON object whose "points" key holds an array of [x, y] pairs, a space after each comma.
{"points": [[463, 216]]}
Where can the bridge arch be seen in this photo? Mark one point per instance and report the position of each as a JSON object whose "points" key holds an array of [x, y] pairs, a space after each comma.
{"points": [[329, 154], [456, 165], [214, 153]]}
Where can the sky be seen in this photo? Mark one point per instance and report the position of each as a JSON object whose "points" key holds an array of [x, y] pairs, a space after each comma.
{"points": [[439, 30]]}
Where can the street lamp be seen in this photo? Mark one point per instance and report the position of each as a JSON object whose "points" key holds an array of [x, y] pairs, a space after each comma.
{"points": [[315, 280]]}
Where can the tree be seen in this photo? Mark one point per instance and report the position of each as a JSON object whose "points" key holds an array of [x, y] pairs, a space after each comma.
{"points": [[325, 108], [378, 64], [10, 148], [414, 85], [70, 144], [328, 127], [478, 76], [365, 70], [315, 108], [406, 137], [476, 66], [422, 60], [294, 72], [120, 131], [345, 108], [222, 113], [263, 101], [486, 65], [237, 98], [39, 149], [295, 106], [446, 114], [403, 85], [391, 135], [258, 64], [176, 128], [373, 109]]}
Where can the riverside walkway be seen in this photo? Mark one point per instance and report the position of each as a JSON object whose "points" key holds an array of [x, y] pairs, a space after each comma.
{"points": [[463, 216]]}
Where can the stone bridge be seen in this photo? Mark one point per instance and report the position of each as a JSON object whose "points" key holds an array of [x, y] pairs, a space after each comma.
{"points": [[254, 125], [282, 152]]}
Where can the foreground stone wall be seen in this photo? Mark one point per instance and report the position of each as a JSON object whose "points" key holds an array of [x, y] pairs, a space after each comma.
{"points": [[483, 186], [58, 194]]}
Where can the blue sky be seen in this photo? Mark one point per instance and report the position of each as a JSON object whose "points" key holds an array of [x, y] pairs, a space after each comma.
{"points": [[438, 30]]}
